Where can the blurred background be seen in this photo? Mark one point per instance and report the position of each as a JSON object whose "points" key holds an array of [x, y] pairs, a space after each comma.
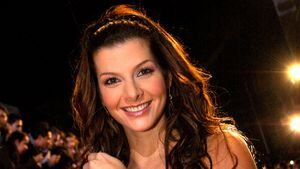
{"points": [[248, 46]]}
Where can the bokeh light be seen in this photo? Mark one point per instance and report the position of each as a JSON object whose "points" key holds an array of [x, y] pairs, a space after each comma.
{"points": [[294, 73], [295, 124]]}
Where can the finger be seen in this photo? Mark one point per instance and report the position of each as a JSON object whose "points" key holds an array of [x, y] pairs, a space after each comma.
{"points": [[107, 156], [110, 158], [92, 156], [94, 164]]}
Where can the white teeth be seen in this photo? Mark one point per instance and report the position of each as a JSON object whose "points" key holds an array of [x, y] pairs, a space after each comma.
{"points": [[136, 108]]}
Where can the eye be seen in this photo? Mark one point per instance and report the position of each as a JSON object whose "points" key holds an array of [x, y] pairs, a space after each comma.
{"points": [[111, 81], [144, 71]]}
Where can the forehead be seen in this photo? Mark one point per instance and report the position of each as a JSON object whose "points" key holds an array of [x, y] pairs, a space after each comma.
{"points": [[19, 121], [122, 55]]}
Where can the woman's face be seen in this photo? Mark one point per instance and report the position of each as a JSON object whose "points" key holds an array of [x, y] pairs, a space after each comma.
{"points": [[131, 84], [22, 145]]}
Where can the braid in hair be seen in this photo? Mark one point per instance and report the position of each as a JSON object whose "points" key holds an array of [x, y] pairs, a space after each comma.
{"points": [[121, 22]]}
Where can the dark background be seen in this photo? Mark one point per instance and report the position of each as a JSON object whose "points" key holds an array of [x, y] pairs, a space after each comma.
{"points": [[241, 43]]}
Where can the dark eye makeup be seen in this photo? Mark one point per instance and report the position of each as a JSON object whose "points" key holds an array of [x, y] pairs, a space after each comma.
{"points": [[111, 81], [142, 72], [145, 71]]}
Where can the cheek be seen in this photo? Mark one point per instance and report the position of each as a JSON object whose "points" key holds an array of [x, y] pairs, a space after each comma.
{"points": [[23, 146], [19, 147], [110, 97], [156, 87]]}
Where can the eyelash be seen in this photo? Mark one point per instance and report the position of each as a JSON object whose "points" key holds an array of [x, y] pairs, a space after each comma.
{"points": [[145, 71], [111, 81], [142, 72]]}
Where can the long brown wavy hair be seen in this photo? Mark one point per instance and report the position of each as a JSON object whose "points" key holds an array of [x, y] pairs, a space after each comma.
{"points": [[190, 112]]}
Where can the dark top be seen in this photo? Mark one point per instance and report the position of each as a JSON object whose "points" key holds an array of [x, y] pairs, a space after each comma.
{"points": [[5, 160]]}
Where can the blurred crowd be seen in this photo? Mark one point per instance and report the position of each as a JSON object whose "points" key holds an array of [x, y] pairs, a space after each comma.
{"points": [[292, 164], [48, 147], [42, 147]]}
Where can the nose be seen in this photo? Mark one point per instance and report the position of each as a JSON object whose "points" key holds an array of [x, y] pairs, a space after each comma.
{"points": [[133, 91]]}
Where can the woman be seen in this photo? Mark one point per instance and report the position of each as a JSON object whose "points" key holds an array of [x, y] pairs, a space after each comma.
{"points": [[16, 144], [140, 103]]}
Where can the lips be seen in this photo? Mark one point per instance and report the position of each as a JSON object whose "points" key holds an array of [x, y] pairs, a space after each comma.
{"points": [[137, 108]]}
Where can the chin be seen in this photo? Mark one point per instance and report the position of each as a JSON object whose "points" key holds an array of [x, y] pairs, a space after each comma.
{"points": [[146, 125], [140, 128]]}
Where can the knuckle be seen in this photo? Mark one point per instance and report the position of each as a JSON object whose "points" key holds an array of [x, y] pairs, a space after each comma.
{"points": [[99, 156]]}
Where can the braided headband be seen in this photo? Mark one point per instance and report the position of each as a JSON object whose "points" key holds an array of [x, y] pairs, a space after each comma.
{"points": [[121, 22]]}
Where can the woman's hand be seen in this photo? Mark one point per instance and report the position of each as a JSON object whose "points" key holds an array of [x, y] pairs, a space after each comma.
{"points": [[103, 161]]}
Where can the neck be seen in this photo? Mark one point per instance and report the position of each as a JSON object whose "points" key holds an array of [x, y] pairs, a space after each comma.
{"points": [[147, 147], [149, 154], [154, 161]]}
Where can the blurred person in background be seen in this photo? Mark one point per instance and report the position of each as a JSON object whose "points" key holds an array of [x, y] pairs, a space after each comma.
{"points": [[57, 137], [40, 142], [15, 123], [71, 142], [281, 165], [14, 147], [3, 123], [61, 158]]}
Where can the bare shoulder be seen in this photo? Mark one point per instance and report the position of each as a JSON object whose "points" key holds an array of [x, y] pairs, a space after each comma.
{"points": [[228, 149]]}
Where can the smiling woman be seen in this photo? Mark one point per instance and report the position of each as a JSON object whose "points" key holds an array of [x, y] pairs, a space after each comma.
{"points": [[140, 103]]}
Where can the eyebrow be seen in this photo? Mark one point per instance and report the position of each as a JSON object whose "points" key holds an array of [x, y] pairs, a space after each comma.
{"points": [[135, 67]]}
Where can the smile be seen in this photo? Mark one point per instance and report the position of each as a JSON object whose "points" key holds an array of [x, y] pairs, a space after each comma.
{"points": [[137, 108]]}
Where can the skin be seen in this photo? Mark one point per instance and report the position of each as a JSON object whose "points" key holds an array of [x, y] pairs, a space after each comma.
{"points": [[43, 142], [53, 160], [223, 147], [57, 140], [17, 126], [128, 79], [3, 118], [22, 145], [123, 81]]}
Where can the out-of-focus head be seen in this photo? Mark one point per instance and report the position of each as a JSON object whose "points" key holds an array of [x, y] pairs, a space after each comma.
{"points": [[22, 145], [3, 116], [65, 160], [42, 135], [71, 140], [15, 122], [71, 144], [20, 140], [57, 137]]}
